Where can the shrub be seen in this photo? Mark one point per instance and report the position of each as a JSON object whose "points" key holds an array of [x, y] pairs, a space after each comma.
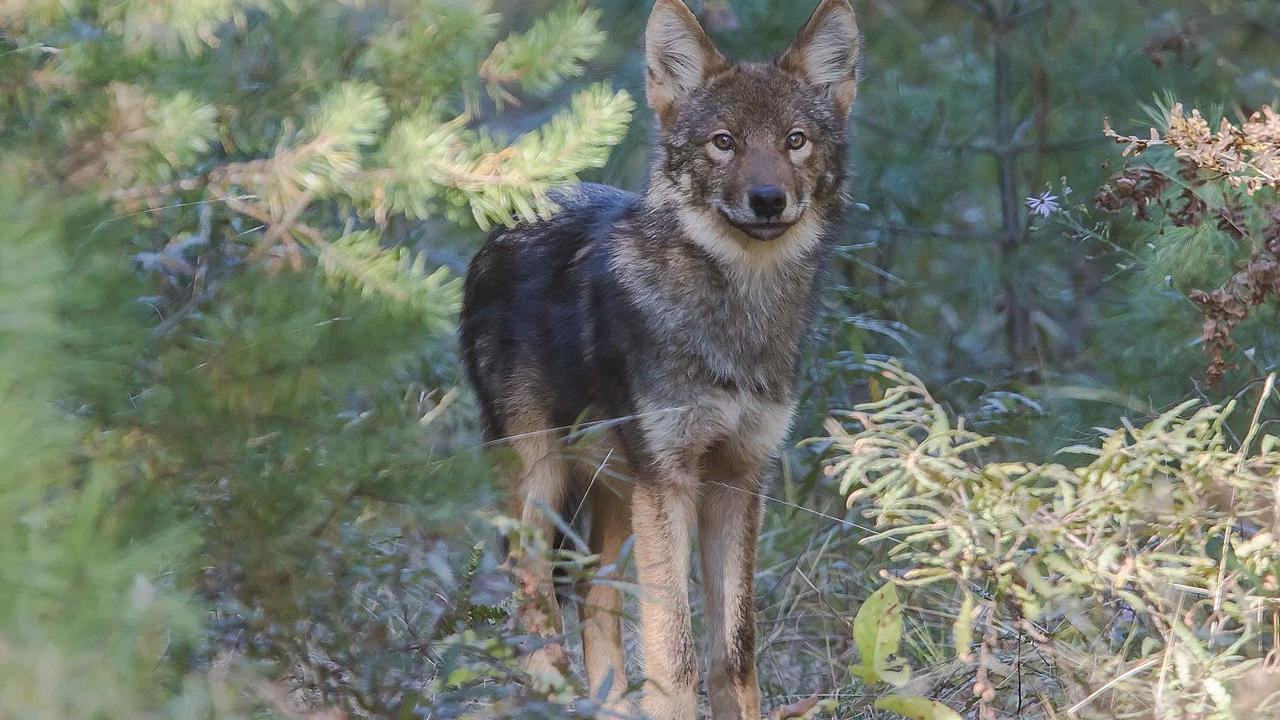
{"points": [[1142, 582]]}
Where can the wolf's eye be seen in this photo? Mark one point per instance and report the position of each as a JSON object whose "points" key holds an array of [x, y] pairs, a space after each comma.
{"points": [[723, 141], [796, 140]]}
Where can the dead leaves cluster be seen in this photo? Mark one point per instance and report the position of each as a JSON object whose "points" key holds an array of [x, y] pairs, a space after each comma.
{"points": [[1244, 160]]}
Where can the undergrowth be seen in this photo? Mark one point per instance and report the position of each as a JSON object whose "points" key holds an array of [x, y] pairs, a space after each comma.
{"points": [[1138, 581]]}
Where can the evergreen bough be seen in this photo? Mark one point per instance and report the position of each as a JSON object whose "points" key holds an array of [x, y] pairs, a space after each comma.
{"points": [[228, 271]]}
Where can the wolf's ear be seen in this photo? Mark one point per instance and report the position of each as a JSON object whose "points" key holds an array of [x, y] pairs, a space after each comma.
{"points": [[678, 55], [827, 50]]}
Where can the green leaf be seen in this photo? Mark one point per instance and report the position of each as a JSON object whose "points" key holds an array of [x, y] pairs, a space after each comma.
{"points": [[878, 631], [916, 708]]}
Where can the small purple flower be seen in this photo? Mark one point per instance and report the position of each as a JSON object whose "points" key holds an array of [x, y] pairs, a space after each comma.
{"points": [[1043, 205]]}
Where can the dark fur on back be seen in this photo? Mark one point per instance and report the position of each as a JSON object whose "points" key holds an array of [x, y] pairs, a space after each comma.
{"points": [[540, 299]]}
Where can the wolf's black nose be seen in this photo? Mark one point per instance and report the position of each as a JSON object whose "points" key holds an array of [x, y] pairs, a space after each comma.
{"points": [[767, 201]]}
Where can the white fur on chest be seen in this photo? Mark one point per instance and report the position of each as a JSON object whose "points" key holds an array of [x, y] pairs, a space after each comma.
{"points": [[751, 426]]}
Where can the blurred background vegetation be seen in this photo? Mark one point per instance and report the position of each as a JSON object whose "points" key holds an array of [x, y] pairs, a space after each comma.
{"points": [[241, 476]]}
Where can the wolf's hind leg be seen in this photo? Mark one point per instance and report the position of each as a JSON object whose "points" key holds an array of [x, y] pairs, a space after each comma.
{"points": [[541, 490], [601, 609]]}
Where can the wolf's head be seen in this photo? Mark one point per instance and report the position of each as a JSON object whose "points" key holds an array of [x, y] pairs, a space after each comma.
{"points": [[750, 153]]}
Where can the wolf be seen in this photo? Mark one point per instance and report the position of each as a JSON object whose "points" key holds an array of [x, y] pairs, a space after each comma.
{"points": [[674, 320]]}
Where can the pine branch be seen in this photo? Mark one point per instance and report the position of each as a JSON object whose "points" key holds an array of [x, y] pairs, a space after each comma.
{"points": [[555, 48], [146, 139], [574, 140], [348, 119], [396, 274], [427, 161], [175, 26]]}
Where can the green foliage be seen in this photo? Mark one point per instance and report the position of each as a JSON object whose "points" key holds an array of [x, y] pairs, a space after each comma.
{"points": [[361, 144], [596, 118], [227, 373], [434, 53], [347, 119], [429, 163], [171, 27], [358, 259], [539, 59], [1142, 581], [86, 618], [878, 629]]}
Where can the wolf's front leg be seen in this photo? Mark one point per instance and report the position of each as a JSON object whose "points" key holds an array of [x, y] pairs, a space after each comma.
{"points": [[728, 522], [663, 517]]}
